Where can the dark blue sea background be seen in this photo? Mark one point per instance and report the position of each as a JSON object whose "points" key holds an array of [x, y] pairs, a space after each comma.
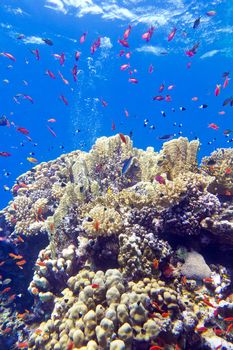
{"points": [[99, 77]]}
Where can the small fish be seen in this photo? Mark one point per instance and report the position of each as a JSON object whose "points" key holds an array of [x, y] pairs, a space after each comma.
{"points": [[228, 319], [172, 34], [160, 179], [123, 138], [128, 55], [8, 55], [211, 13], [36, 53], [201, 329], [32, 160], [29, 98], [113, 126], [168, 98], [151, 68], [156, 263], [77, 55], [158, 98], [64, 100], [50, 74], [227, 132], [20, 36], [156, 347], [47, 41], [217, 90], [23, 130], [70, 345], [182, 109], [203, 106], [133, 80], [95, 285], [127, 32], [226, 82], [208, 280], [51, 131], [189, 65], [104, 103], [170, 87], [5, 290], [126, 113], [41, 263], [21, 262], [196, 23], [194, 98], [74, 72], [207, 302], [124, 66], [95, 45], [148, 35], [6, 81], [5, 154], [83, 38], [4, 121], [161, 88], [228, 171], [126, 165], [227, 101], [6, 188], [6, 281], [213, 126], [15, 256], [166, 136], [51, 120], [22, 345], [65, 81], [96, 225], [123, 42]]}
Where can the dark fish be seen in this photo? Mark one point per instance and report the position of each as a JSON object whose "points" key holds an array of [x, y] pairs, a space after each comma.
{"points": [[182, 109], [47, 41], [163, 113], [126, 165], [225, 74], [211, 162], [227, 132], [4, 121], [166, 136], [203, 106], [196, 23], [227, 101]]}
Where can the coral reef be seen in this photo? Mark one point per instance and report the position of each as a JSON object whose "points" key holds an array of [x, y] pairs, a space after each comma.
{"points": [[122, 261]]}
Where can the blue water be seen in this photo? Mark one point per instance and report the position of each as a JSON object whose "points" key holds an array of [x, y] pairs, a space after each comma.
{"points": [[99, 76]]}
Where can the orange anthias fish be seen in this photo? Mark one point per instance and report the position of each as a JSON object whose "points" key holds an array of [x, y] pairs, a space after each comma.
{"points": [[172, 34], [217, 90], [52, 120], [213, 126], [14, 256], [226, 82], [83, 38], [228, 171], [123, 139], [133, 80], [127, 32], [96, 225], [21, 262], [23, 130], [8, 55]]}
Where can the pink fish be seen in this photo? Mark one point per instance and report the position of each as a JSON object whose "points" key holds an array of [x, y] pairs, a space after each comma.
{"points": [[170, 87], [121, 53], [36, 53], [64, 100], [123, 42], [65, 81], [126, 113], [213, 126], [29, 98], [95, 45], [217, 90], [8, 55], [52, 132], [104, 103], [148, 35], [127, 32], [189, 65], [133, 80], [83, 38], [158, 98], [74, 72], [160, 179], [226, 82], [128, 55], [5, 154], [52, 120], [124, 66], [62, 59], [161, 88], [50, 74], [189, 53], [56, 55], [151, 68], [168, 98], [23, 130], [77, 55], [172, 34]]}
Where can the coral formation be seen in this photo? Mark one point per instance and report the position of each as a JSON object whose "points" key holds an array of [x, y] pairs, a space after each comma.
{"points": [[118, 270]]}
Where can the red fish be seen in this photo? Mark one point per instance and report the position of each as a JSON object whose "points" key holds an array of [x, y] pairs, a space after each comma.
{"points": [[168, 98], [123, 138], [226, 82], [95, 285], [161, 88], [133, 80], [49, 73], [51, 120], [123, 42], [8, 55], [217, 90], [104, 103], [77, 55], [65, 81], [36, 53], [127, 32], [95, 45], [5, 154], [52, 132], [156, 347], [121, 53], [160, 179], [158, 98], [64, 100], [213, 126], [172, 34], [29, 98], [83, 38], [62, 59], [124, 66], [23, 130], [211, 13], [74, 72], [113, 126], [151, 68], [148, 35]]}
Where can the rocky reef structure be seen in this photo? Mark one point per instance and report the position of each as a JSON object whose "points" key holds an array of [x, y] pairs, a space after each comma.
{"points": [[123, 259]]}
